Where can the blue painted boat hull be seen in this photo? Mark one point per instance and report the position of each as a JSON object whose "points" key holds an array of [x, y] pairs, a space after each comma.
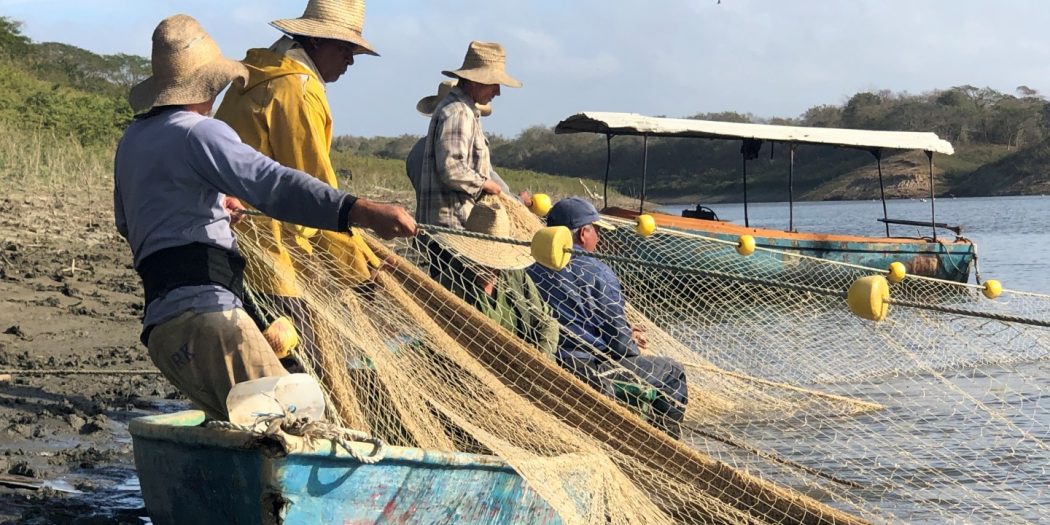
{"points": [[199, 476]]}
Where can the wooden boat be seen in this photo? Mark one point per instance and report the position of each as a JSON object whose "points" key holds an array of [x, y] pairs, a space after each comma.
{"points": [[931, 256], [191, 474]]}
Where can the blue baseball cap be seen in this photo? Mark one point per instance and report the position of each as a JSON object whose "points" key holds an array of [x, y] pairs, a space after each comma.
{"points": [[574, 213]]}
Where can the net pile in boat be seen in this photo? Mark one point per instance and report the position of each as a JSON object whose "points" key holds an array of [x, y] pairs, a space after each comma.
{"points": [[798, 412]]}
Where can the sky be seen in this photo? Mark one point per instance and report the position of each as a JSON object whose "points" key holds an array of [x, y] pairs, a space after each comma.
{"points": [[771, 58]]}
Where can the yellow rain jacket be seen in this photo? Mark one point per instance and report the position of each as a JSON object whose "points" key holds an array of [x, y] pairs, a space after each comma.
{"points": [[283, 112]]}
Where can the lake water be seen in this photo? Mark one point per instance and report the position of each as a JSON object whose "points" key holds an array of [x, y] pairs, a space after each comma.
{"points": [[1012, 234], [947, 437]]}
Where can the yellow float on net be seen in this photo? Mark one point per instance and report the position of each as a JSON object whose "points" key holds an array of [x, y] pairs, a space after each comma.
{"points": [[897, 272], [541, 204], [550, 247], [992, 288], [745, 245], [282, 337], [867, 297], [645, 225]]}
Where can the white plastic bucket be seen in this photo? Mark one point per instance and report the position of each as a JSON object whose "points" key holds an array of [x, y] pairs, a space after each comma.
{"points": [[292, 395]]}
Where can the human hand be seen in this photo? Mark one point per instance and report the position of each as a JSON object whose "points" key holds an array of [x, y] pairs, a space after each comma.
{"points": [[526, 198], [638, 334], [234, 208], [387, 220], [491, 187]]}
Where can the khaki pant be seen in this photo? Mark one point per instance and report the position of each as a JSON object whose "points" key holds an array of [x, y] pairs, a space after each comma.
{"points": [[204, 355]]}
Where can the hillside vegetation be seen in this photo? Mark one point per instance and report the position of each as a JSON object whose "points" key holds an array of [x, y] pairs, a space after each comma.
{"points": [[990, 130], [62, 109]]}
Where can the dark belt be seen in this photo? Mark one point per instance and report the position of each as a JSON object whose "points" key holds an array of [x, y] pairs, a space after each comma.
{"points": [[191, 265]]}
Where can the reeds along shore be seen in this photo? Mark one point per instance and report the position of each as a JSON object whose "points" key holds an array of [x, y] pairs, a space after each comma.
{"points": [[60, 166]]}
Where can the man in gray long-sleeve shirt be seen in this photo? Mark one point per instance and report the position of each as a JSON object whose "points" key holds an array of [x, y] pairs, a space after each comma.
{"points": [[173, 170]]}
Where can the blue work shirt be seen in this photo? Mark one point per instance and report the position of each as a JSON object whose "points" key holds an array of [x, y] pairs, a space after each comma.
{"points": [[171, 173], [587, 301]]}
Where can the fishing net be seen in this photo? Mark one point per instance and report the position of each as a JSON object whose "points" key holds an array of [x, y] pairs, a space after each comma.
{"points": [[798, 411]]}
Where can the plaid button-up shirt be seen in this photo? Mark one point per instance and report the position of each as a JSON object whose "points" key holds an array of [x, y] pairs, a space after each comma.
{"points": [[455, 163]]}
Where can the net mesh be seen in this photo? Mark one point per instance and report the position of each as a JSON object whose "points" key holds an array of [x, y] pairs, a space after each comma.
{"points": [[798, 411]]}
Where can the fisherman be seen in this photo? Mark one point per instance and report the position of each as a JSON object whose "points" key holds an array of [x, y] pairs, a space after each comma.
{"points": [[599, 344], [283, 112], [173, 170], [491, 276], [414, 160], [456, 166]]}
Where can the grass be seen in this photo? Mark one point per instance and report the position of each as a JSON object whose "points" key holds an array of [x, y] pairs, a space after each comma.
{"points": [[57, 168], [385, 179], [969, 157]]}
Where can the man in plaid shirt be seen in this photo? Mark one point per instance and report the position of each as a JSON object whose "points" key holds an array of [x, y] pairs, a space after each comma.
{"points": [[456, 164]]}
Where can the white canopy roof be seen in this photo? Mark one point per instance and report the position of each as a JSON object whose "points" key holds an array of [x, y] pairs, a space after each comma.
{"points": [[635, 124]]}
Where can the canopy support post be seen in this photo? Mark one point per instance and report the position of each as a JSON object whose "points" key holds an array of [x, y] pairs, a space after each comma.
{"points": [[748, 150], [933, 199], [608, 164], [791, 187], [746, 221], [645, 168], [882, 189]]}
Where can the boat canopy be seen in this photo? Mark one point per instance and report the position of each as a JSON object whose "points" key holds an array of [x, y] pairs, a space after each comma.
{"points": [[753, 135], [635, 124]]}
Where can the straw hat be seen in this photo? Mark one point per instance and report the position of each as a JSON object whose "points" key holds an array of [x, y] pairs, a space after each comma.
{"points": [[484, 64], [188, 67], [427, 105], [333, 19], [489, 217]]}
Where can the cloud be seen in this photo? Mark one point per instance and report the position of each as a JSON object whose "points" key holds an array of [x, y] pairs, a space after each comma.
{"points": [[675, 57], [544, 54]]}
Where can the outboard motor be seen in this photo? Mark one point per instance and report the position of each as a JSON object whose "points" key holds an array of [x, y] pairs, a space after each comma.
{"points": [[701, 212]]}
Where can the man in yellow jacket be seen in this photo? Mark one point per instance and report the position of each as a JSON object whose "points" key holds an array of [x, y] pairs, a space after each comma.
{"points": [[282, 111]]}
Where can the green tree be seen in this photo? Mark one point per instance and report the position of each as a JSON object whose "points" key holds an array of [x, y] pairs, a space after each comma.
{"points": [[12, 42]]}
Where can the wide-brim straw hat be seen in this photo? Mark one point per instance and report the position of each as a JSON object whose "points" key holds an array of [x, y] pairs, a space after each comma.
{"points": [[427, 105], [485, 63], [341, 20], [489, 217], [188, 67]]}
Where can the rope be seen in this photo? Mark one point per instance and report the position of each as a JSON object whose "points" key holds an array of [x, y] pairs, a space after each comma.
{"points": [[970, 313], [311, 431], [649, 264], [842, 294], [736, 277]]}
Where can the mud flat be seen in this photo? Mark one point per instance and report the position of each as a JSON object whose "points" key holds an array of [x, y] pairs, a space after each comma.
{"points": [[70, 300]]}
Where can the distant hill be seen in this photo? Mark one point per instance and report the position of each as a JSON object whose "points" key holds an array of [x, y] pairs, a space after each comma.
{"points": [[1026, 172], [1001, 139], [984, 125], [64, 90]]}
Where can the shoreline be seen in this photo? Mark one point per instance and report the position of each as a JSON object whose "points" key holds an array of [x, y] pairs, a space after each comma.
{"points": [[70, 300]]}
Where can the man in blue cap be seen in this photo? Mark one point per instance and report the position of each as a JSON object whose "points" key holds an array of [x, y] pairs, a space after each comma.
{"points": [[597, 344]]}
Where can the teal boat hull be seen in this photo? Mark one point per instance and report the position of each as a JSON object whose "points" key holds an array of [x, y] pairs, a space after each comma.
{"points": [[950, 260], [194, 475]]}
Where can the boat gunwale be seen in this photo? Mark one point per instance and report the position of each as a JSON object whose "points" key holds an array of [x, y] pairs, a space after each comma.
{"points": [[185, 428], [685, 223]]}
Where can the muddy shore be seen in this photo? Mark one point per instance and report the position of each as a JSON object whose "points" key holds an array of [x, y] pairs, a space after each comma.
{"points": [[70, 301]]}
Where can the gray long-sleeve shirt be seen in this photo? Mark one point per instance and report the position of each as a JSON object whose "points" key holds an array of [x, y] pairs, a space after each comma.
{"points": [[171, 173]]}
